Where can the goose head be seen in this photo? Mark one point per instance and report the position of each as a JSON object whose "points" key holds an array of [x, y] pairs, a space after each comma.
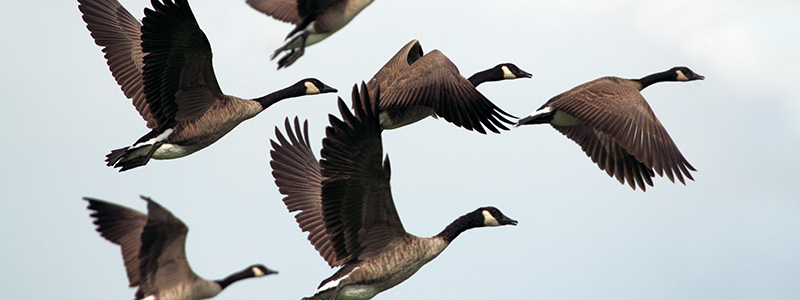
{"points": [[491, 216], [313, 86], [261, 270], [499, 72], [511, 71], [685, 74]]}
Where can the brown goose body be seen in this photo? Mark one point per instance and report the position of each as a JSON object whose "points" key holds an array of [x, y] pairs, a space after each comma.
{"points": [[414, 86], [153, 249], [345, 205], [616, 127], [165, 67]]}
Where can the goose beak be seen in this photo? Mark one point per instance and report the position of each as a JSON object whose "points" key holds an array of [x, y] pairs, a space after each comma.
{"points": [[507, 221], [327, 89], [523, 74], [698, 77]]}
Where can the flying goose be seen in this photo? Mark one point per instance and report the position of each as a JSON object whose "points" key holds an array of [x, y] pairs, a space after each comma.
{"points": [[414, 86], [167, 72], [346, 205], [616, 127], [315, 20], [153, 250]]}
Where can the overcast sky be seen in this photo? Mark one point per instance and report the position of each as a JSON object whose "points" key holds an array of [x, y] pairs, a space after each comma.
{"points": [[734, 233]]}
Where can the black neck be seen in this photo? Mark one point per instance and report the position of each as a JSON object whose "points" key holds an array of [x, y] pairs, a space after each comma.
{"points": [[468, 221], [484, 76], [657, 77], [274, 97], [244, 274]]}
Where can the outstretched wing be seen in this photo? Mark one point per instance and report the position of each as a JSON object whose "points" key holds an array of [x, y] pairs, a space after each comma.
{"points": [[179, 80], [119, 33], [434, 81], [122, 226], [297, 175], [406, 56], [283, 10], [357, 206], [163, 255], [620, 112]]}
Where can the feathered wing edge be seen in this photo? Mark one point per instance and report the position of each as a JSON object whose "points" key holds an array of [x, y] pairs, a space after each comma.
{"points": [[119, 33], [632, 148], [122, 226], [358, 209], [297, 175]]}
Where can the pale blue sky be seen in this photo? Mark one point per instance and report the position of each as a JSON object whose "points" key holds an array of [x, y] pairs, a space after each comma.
{"points": [[734, 233]]}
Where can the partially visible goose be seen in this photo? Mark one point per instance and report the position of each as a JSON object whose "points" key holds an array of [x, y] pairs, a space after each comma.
{"points": [[167, 72], [153, 250], [346, 205], [616, 127], [315, 20], [414, 86]]}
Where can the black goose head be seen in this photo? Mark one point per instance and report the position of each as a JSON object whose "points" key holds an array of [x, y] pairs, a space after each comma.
{"points": [[481, 217], [511, 71], [308, 86], [261, 270], [313, 86], [492, 216], [685, 74], [249, 272], [499, 72], [674, 74]]}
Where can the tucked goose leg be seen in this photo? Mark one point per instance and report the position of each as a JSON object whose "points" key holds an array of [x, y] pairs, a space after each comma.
{"points": [[289, 59]]}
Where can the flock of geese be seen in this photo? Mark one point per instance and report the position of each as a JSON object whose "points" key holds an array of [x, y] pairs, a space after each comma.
{"points": [[343, 200]]}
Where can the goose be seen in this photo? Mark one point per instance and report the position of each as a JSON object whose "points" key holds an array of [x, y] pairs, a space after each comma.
{"points": [[346, 205], [415, 86], [165, 67], [153, 250], [617, 129], [315, 21]]}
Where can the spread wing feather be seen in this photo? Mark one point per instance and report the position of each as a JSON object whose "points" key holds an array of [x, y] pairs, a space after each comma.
{"points": [[119, 33], [625, 131], [434, 81], [163, 255], [297, 175], [358, 209], [179, 80], [283, 10], [122, 226]]}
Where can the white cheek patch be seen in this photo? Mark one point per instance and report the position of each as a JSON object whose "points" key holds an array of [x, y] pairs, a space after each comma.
{"points": [[311, 89], [681, 76], [489, 220], [258, 272], [507, 73]]}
